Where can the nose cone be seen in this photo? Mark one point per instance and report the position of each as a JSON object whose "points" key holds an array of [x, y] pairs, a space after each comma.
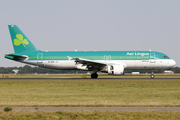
{"points": [[173, 63]]}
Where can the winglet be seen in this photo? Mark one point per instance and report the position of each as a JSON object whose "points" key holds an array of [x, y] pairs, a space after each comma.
{"points": [[69, 58]]}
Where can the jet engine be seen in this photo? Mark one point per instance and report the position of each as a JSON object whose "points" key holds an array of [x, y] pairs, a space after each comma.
{"points": [[116, 70]]}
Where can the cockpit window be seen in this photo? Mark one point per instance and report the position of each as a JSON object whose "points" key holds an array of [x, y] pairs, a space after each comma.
{"points": [[164, 57]]}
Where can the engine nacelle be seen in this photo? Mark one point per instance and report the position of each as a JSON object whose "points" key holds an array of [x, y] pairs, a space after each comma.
{"points": [[115, 70]]}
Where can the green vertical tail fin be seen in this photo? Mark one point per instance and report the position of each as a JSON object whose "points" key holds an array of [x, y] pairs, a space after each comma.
{"points": [[19, 40]]}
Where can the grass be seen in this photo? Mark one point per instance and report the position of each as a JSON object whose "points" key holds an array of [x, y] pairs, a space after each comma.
{"points": [[80, 75], [40, 75], [90, 93], [93, 115]]}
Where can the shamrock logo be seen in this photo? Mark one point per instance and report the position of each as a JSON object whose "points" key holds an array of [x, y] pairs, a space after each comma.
{"points": [[20, 40]]}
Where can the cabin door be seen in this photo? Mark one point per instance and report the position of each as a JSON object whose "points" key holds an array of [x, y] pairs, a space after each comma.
{"points": [[39, 58], [152, 58], [107, 58]]}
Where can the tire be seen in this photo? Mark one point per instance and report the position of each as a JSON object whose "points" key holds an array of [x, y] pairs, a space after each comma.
{"points": [[152, 76], [94, 75]]}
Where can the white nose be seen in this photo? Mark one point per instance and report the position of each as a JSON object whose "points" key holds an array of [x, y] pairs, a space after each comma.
{"points": [[173, 63]]}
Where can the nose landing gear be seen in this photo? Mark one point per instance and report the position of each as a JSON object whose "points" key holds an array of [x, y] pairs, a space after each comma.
{"points": [[152, 75]]}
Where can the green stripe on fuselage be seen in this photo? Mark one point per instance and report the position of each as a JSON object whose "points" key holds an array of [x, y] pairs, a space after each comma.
{"points": [[96, 55]]}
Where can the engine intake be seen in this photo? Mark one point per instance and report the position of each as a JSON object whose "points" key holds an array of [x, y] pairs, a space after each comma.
{"points": [[115, 70]]}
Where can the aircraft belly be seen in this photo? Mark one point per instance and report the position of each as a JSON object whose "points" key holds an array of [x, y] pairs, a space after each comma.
{"points": [[62, 65], [131, 64], [141, 64], [54, 64], [128, 64]]}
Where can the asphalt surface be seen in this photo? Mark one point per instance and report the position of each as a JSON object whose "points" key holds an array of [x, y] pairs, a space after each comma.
{"points": [[95, 108], [115, 78]]}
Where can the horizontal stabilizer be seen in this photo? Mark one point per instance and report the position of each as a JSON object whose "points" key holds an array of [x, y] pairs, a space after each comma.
{"points": [[16, 57]]}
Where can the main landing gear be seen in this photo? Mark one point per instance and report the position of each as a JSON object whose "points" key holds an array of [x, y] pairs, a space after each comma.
{"points": [[94, 75]]}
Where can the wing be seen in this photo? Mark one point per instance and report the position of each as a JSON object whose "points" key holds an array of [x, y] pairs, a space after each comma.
{"points": [[90, 65]]}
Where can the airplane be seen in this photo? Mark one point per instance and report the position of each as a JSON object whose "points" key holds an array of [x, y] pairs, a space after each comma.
{"points": [[110, 62]]}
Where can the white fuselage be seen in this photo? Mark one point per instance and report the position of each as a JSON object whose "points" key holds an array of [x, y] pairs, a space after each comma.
{"points": [[128, 64]]}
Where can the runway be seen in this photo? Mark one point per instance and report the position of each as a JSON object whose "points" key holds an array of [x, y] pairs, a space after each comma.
{"points": [[95, 108], [101, 78]]}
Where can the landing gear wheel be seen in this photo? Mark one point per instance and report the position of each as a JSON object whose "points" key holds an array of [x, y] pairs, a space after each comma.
{"points": [[152, 76], [94, 75]]}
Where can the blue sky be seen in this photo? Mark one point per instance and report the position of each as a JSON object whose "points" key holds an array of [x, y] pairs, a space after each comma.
{"points": [[66, 25]]}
